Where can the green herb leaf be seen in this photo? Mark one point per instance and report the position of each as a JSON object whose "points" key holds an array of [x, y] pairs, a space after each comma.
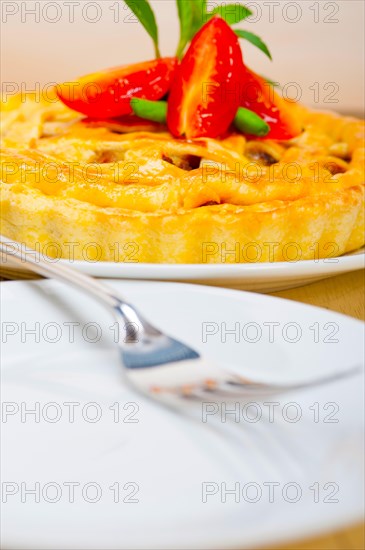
{"points": [[231, 13], [199, 10], [192, 16], [255, 40], [186, 23], [249, 122], [150, 110], [143, 11]]}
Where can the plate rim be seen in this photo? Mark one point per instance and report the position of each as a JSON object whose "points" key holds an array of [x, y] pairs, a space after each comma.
{"points": [[325, 265], [199, 288]]}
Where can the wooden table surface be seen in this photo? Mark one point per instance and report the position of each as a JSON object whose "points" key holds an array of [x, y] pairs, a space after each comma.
{"points": [[344, 294]]}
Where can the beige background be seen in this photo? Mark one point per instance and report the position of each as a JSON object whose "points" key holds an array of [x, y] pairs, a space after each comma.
{"points": [[311, 42]]}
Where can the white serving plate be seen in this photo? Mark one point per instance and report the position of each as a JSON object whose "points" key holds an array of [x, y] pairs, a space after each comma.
{"points": [[260, 277]]}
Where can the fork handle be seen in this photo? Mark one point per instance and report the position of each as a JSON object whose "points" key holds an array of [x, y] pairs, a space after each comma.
{"points": [[21, 255]]}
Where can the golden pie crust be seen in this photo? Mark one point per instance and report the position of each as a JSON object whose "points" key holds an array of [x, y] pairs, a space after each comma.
{"points": [[108, 191]]}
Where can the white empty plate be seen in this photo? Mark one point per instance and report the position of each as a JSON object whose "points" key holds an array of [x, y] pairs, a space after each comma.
{"points": [[97, 466]]}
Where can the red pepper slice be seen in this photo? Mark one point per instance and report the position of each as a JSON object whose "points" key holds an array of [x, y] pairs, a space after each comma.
{"points": [[107, 94], [259, 96], [204, 96]]}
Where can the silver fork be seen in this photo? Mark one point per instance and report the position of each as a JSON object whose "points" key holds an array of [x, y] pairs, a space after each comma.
{"points": [[154, 362]]}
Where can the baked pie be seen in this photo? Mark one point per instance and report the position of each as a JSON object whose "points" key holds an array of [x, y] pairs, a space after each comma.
{"points": [[126, 188]]}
